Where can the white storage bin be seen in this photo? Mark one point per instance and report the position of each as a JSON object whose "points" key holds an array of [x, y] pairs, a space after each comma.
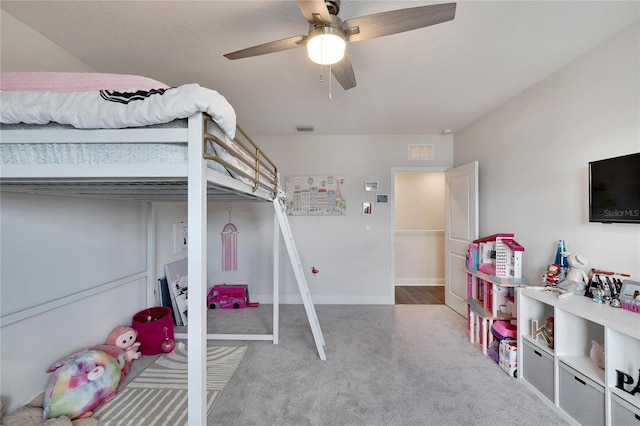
{"points": [[623, 413], [537, 369], [581, 397]]}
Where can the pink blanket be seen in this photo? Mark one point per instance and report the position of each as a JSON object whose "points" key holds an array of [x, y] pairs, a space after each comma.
{"points": [[74, 82]]}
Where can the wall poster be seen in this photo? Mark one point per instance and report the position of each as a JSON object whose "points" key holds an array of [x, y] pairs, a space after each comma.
{"points": [[315, 195]]}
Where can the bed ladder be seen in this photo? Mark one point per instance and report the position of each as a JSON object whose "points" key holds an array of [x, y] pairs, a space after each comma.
{"points": [[287, 235]]}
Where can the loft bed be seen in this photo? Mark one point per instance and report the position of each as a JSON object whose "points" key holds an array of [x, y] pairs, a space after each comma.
{"points": [[149, 144]]}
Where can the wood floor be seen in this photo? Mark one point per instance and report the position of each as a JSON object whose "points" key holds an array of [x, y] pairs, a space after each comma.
{"points": [[418, 295]]}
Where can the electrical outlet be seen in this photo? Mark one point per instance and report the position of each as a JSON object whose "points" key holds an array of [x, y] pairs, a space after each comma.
{"points": [[180, 234]]}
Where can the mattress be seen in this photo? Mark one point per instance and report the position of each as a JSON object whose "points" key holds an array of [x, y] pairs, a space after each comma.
{"points": [[97, 153], [48, 111]]}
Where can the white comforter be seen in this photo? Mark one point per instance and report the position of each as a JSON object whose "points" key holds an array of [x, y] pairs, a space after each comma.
{"points": [[108, 109]]}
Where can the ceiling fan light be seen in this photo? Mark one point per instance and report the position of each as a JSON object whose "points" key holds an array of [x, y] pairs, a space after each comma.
{"points": [[326, 46]]}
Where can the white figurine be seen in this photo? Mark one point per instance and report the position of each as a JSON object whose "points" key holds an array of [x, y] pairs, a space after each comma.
{"points": [[576, 280]]}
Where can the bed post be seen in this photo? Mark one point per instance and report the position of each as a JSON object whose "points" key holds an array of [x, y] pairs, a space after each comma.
{"points": [[197, 264], [276, 279], [152, 295]]}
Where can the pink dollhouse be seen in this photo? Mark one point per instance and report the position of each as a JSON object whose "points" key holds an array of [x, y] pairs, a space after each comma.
{"points": [[500, 255], [494, 269]]}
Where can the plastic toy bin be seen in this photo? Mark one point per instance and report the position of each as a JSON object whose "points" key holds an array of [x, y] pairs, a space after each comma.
{"points": [[150, 325]]}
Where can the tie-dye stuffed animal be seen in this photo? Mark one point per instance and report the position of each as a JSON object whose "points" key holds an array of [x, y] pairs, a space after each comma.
{"points": [[80, 383]]}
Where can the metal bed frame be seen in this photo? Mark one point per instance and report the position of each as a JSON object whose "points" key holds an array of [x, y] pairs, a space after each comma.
{"points": [[196, 182]]}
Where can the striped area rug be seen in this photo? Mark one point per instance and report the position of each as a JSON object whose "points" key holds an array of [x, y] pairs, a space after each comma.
{"points": [[158, 396]]}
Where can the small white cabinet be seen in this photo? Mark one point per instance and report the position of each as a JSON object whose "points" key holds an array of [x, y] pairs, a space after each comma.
{"points": [[565, 374]]}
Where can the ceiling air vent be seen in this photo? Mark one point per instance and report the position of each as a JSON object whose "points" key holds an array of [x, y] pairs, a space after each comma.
{"points": [[304, 128], [420, 152]]}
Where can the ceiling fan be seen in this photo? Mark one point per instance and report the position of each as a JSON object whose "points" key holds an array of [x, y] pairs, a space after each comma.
{"points": [[328, 34]]}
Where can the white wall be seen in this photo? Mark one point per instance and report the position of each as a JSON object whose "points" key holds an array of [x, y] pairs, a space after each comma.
{"points": [[352, 252], [34, 52], [51, 247], [533, 153], [254, 221], [354, 263]]}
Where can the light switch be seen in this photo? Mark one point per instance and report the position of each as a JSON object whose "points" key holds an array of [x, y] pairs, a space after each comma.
{"points": [[180, 234]]}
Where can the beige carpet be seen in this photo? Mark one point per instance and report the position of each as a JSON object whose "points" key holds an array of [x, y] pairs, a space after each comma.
{"points": [[158, 396]]}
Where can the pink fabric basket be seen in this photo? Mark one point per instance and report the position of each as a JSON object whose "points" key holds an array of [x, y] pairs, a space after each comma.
{"points": [[150, 324]]}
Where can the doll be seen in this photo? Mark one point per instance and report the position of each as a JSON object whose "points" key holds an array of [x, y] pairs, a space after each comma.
{"points": [[552, 276], [125, 338], [576, 280]]}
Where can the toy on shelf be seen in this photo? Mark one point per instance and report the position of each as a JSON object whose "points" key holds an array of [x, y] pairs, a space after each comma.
{"points": [[597, 353], [630, 296], [561, 258], [500, 255], [504, 330], [553, 274], [576, 280], [554, 291], [230, 296], [598, 295], [605, 287], [546, 331], [125, 338]]}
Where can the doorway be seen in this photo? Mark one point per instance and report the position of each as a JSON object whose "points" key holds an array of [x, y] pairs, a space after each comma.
{"points": [[418, 235]]}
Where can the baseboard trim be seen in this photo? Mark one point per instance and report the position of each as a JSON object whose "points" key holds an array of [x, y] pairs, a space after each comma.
{"points": [[425, 282], [293, 299]]}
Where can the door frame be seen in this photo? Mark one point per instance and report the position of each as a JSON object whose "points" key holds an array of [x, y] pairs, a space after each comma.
{"points": [[392, 203]]}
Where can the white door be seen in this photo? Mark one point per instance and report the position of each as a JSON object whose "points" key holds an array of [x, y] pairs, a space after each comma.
{"points": [[461, 228]]}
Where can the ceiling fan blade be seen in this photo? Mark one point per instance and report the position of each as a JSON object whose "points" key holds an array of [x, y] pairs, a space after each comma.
{"points": [[314, 11], [397, 21], [271, 47], [343, 72]]}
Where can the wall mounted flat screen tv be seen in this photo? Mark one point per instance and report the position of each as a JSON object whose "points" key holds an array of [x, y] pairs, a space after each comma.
{"points": [[614, 190]]}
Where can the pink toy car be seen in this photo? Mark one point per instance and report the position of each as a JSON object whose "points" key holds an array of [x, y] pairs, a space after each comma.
{"points": [[229, 296], [504, 330]]}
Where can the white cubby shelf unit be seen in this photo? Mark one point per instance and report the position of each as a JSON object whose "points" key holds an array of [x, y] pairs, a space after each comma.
{"points": [[565, 375]]}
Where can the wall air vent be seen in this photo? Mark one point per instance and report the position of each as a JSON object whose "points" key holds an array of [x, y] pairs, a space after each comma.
{"points": [[420, 152], [304, 128]]}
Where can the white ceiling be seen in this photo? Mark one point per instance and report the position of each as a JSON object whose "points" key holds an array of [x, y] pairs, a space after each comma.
{"points": [[418, 82]]}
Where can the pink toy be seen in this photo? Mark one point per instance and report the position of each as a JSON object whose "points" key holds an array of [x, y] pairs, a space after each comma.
{"points": [[597, 353], [125, 338], [168, 344], [228, 296], [504, 330], [500, 255]]}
